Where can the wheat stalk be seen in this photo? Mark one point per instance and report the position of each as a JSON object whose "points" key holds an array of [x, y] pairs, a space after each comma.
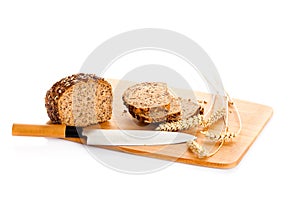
{"points": [[224, 136], [215, 117], [182, 124], [201, 151], [227, 135], [197, 120], [197, 149]]}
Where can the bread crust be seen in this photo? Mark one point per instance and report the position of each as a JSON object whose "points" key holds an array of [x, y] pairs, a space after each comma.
{"points": [[183, 113], [161, 115], [60, 87]]}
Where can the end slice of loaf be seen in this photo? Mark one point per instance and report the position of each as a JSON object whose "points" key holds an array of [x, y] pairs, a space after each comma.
{"points": [[79, 100], [147, 97]]}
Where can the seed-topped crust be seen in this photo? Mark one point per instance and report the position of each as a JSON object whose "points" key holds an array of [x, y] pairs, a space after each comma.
{"points": [[57, 90]]}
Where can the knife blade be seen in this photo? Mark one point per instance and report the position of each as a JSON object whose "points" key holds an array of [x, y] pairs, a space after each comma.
{"points": [[103, 136]]}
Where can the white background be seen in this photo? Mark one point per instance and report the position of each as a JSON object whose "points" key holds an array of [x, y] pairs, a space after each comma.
{"points": [[254, 44]]}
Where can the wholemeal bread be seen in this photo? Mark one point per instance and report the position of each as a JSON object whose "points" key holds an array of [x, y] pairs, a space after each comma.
{"points": [[147, 97], [160, 115], [151, 102], [180, 109], [79, 100], [190, 108]]}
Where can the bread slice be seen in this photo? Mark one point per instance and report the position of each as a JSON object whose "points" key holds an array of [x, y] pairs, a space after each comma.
{"points": [[190, 108], [147, 97], [162, 115], [79, 100], [151, 102], [180, 109]]}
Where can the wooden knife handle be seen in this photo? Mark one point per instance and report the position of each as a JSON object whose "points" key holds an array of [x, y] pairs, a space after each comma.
{"points": [[55, 131]]}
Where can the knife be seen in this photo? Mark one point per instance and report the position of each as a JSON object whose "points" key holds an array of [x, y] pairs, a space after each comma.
{"points": [[103, 136]]}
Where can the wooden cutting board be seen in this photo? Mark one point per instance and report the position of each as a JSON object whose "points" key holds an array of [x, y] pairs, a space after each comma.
{"points": [[254, 117]]}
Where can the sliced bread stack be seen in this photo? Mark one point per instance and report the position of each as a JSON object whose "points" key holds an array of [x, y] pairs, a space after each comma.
{"points": [[151, 102]]}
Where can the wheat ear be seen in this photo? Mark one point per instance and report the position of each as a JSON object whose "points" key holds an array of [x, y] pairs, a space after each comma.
{"points": [[197, 149], [224, 136], [182, 124], [197, 120], [201, 151], [215, 117]]}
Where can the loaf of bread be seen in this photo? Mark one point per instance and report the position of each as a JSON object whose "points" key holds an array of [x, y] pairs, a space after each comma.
{"points": [[151, 102], [79, 100]]}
